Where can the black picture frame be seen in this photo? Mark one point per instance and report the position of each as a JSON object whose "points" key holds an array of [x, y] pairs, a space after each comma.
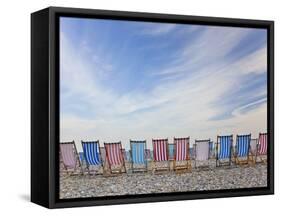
{"points": [[45, 106]]}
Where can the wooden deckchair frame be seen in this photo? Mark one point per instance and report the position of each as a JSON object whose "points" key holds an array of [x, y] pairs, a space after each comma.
{"points": [[77, 159], [237, 159], [257, 150], [156, 169], [123, 166], [144, 169], [195, 153], [101, 160], [218, 162], [184, 167]]}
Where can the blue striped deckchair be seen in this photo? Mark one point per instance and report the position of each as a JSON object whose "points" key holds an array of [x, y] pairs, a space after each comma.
{"points": [[223, 150], [81, 157], [242, 149], [138, 159], [171, 151], [92, 155]]}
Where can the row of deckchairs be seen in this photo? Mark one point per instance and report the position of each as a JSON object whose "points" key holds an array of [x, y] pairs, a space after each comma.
{"points": [[113, 156]]}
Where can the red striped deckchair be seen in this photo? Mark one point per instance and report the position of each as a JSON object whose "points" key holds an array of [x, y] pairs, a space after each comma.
{"points": [[69, 157], [262, 147], [115, 157], [182, 157], [160, 155]]}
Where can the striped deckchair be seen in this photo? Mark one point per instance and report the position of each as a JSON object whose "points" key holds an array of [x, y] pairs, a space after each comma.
{"points": [[171, 151], [224, 150], [147, 154], [138, 162], [242, 149], [202, 153], [92, 155], [253, 150], [181, 154], [104, 159], [262, 147], [160, 155], [116, 162], [69, 157]]}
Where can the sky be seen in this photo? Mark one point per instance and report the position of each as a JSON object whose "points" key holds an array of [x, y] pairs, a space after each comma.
{"points": [[122, 80]]}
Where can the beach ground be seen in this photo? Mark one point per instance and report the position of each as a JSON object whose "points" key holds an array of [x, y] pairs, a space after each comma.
{"points": [[81, 186]]}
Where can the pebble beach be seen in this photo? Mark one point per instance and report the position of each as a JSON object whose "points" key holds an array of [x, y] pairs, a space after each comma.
{"points": [[233, 177]]}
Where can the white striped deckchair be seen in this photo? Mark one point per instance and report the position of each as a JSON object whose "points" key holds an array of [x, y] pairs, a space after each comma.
{"points": [[224, 150], [115, 157], [262, 147], [202, 153], [138, 160], [92, 156], [160, 155], [69, 157], [253, 150], [242, 149], [181, 154]]}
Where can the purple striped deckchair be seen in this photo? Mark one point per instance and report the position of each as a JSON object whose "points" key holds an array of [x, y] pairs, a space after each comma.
{"points": [[69, 157]]}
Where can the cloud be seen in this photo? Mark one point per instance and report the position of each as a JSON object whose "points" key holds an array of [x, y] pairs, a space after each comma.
{"points": [[183, 98]]}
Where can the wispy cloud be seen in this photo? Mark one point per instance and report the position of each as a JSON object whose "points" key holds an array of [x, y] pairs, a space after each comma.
{"points": [[199, 89]]}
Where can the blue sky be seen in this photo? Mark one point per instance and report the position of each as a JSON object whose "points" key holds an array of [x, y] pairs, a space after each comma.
{"points": [[140, 80]]}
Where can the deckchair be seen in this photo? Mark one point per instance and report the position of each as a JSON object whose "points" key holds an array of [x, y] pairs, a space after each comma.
{"points": [[160, 155], [116, 162], [224, 150], [171, 151], [104, 159], [70, 158], [242, 149], [253, 150], [92, 156], [147, 154], [201, 150], [181, 154], [262, 147], [138, 162]]}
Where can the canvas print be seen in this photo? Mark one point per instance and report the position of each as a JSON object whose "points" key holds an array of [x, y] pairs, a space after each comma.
{"points": [[153, 108]]}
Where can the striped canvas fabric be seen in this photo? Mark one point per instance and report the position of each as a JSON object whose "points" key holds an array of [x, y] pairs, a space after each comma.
{"points": [[171, 151], [225, 144], [138, 151], [114, 153], [160, 151], [202, 150], [147, 154], [181, 148], [91, 152], [262, 144], [253, 145], [242, 145], [68, 154]]}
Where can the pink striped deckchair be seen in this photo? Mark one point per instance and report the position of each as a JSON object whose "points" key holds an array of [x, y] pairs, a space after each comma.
{"points": [[181, 157], [262, 147], [160, 155], [115, 157], [69, 157]]}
